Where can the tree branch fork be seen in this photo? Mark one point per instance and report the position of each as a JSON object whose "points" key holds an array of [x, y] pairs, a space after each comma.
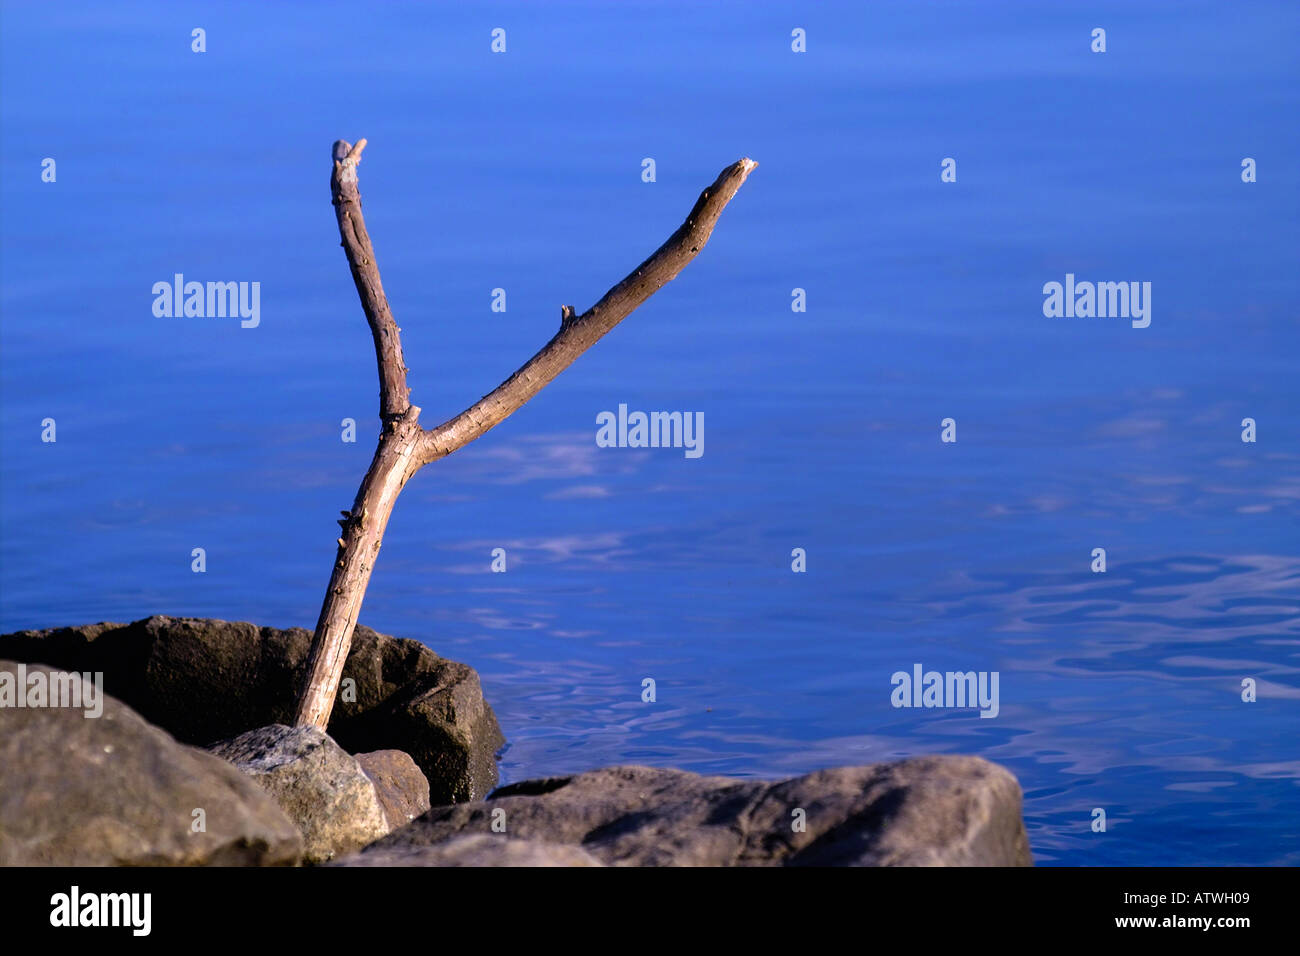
{"points": [[405, 446]]}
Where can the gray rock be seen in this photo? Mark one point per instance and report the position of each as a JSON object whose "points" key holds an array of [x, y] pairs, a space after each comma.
{"points": [[403, 790], [475, 850], [318, 784], [926, 811], [406, 696], [114, 790]]}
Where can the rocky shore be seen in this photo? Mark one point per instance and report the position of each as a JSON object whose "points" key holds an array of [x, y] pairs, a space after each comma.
{"points": [[191, 762]]}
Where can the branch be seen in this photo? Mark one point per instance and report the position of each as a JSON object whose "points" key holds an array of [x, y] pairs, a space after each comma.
{"points": [[394, 395], [404, 447], [578, 334]]}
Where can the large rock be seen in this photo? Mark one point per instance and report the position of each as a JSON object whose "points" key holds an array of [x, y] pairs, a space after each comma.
{"points": [[114, 790], [403, 790], [406, 696], [927, 811], [321, 787], [475, 850]]}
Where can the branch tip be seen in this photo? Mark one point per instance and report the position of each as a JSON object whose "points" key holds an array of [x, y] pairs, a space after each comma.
{"points": [[346, 153]]}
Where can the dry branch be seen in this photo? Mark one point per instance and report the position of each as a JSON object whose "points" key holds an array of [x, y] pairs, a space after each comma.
{"points": [[405, 447]]}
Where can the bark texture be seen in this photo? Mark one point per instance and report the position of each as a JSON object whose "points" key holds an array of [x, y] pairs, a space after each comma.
{"points": [[405, 446]]}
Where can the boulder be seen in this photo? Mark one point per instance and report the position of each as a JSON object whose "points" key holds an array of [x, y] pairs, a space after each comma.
{"points": [[402, 696], [114, 790], [318, 784], [926, 811], [402, 789], [477, 849]]}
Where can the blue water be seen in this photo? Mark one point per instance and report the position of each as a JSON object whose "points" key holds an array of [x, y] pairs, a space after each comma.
{"points": [[522, 170]]}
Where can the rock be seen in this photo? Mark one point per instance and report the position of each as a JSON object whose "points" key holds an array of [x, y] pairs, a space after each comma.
{"points": [[926, 811], [321, 787], [478, 849], [114, 790], [402, 789], [406, 696]]}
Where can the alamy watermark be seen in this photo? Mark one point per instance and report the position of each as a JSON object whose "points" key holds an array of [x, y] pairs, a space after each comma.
{"points": [[653, 430], [1102, 300], [74, 908], [212, 300], [951, 689], [43, 688]]}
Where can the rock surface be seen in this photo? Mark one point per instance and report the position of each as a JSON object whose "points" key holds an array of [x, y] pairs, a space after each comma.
{"points": [[403, 790], [926, 811], [476, 850], [205, 680], [114, 790], [318, 784]]}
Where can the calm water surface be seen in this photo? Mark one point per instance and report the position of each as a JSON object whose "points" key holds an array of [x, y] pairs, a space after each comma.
{"points": [[1117, 690]]}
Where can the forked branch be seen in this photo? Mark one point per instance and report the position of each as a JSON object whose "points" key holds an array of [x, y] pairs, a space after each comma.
{"points": [[405, 447]]}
